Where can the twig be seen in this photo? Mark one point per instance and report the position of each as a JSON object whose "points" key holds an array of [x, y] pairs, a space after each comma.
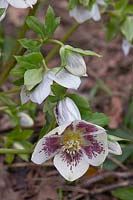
{"points": [[104, 175], [111, 187], [117, 162]]}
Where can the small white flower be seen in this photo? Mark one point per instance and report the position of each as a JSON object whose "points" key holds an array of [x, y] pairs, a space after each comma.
{"points": [[74, 146], [126, 46], [16, 3], [81, 14], [25, 120], [43, 89], [75, 64]]}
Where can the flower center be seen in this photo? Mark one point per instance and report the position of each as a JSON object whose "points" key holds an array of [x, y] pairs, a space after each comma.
{"points": [[72, 142]]}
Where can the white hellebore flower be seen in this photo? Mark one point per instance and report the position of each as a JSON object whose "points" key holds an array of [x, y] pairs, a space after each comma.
{"points": [[81, 14], [43, 89], [25, 120], [16, 3], [66, 110], [74, 146], [75, 64], [126, 45]]}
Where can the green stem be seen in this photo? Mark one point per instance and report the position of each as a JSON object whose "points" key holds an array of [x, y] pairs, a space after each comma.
{"points": [[54, 41], [64, 39], [17, 50], [12, 91], [15, 151]]}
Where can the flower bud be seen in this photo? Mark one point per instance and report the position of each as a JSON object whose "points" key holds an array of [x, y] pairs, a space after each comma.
{"points": [[75, 64], [25, 120], [66, 111]]}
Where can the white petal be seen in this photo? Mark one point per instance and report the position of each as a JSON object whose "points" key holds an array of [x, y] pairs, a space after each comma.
{"points": [[114, 147], [22, 3], [80, 14], [41, 92], [73, 170], [101, 2], [97, 157], [24, 97], [65, 79], [25, 120], [66, 111], [126, 47], [95, 13], [75, 64], [39, 156]]}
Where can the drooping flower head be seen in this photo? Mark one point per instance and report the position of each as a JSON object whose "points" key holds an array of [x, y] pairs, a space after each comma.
{"points": [[74, 147], [81, 13]]}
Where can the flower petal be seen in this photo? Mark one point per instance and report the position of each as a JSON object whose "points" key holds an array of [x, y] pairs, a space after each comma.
{"points": [[66, 111], [71, 167], [64, 78], [22, 3], [41, 92], [24, 97], [126, 47], [48, 146], [114, 147], [101, 2], [95, 13], [96, 148], [80, 14], [75, 64]]}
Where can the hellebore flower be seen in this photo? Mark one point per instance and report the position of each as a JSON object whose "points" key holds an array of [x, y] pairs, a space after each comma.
{"points": [[67, 111], [25, 120], [126, 46], [74, 147], [43, 89], [81, 14], [15, 3]]}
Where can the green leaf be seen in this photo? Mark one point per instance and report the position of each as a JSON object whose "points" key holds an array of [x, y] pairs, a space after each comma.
{"points": [[32, 45], [32, 77], [82, 105], [9, 158], [58, 90], [115, 138], [19, 135], [120, 5], [32, 59], [72, 4], [127, 29], [81, 51], [123, 193], [36, 26], [112, 28], [98, 118], [51, 22], [2, 11]]}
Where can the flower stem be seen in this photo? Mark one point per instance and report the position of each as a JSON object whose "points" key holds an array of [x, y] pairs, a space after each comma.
{"points": [[12, 91], [15, 151], [17, 50], [54, 41], [64, 39]]}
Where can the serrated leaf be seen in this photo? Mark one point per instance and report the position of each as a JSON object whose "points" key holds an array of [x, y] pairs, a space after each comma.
{"points": [[51, 22], [30, 44], [36, 26], [98, 118]]}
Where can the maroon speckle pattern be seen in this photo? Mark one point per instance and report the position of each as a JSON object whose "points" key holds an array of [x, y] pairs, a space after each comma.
{"points": [[92, 147], [87, 128], [51, 145], [72, 160]]}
